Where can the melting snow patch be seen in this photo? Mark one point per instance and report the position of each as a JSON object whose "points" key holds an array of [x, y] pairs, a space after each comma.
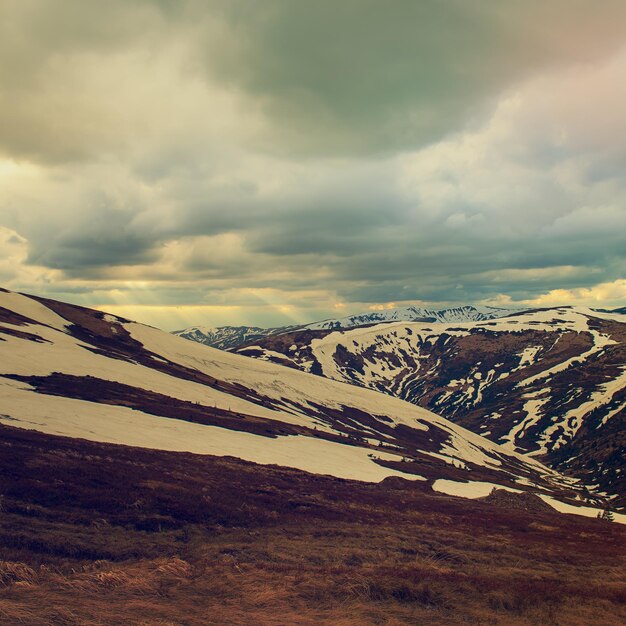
{"points": [[476, 489], [586, 511], [471, 489]]}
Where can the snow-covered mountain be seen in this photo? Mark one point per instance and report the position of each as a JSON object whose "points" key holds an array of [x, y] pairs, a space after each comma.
{"points": [[467, 313], [547, 383], [230, 337], [620, 310], [227, 337], [70, 371]]}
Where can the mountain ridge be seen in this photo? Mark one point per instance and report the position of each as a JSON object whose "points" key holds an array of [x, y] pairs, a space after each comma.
{"points": [[87, 374], [230, 337], [549, 383]]}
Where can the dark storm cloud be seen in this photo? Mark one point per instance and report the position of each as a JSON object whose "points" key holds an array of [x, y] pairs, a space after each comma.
{"points": [[373, 151], [361, 76], [349, 77], [98, 232]]}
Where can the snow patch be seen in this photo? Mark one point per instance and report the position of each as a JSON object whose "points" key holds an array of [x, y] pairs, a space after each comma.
{"points": [[120, 425]]}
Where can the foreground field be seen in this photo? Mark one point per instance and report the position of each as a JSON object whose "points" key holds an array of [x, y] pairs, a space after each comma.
{"points": [[94, 534]]}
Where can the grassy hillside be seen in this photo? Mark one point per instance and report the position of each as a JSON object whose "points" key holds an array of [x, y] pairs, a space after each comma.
{"points": [[95, 534]]}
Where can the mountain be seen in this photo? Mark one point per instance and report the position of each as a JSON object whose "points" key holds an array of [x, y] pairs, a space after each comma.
{"points": [[620, 310], [227, 337], [550, 383], [70, 371], [146, 479], [465, 313], [230, 337]]}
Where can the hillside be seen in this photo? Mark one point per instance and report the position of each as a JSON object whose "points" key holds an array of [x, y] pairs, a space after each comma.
{"points": [[550, 384], [145, 479], [108, 535], [66, 370]]}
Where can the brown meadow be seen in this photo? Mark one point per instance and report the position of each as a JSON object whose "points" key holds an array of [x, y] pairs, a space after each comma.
{"points": [[103, 535]]}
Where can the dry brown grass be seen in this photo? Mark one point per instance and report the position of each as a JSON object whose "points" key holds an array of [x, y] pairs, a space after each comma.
{"points": [[275, 547], [300, 576]]}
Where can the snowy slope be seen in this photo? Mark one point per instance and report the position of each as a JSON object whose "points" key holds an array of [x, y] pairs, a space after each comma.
{"points": [[70, 371], [549, 383]]}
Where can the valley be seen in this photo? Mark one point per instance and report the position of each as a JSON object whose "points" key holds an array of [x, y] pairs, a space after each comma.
{"points": [[550, 384]]}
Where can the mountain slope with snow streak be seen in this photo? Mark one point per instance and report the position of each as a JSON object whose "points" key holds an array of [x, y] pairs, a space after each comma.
{"points": [[70, 371], [548, 383]]}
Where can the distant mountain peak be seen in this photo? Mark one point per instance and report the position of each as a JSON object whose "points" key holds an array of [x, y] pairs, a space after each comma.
{"points": [[230, 337], [227, 337], [461, 313]]}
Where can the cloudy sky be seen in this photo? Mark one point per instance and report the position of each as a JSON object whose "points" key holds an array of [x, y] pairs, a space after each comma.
{"points": [[243, 161]]}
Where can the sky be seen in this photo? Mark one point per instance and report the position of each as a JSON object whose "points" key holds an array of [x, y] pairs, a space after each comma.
{"points": [[184, 162]]}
